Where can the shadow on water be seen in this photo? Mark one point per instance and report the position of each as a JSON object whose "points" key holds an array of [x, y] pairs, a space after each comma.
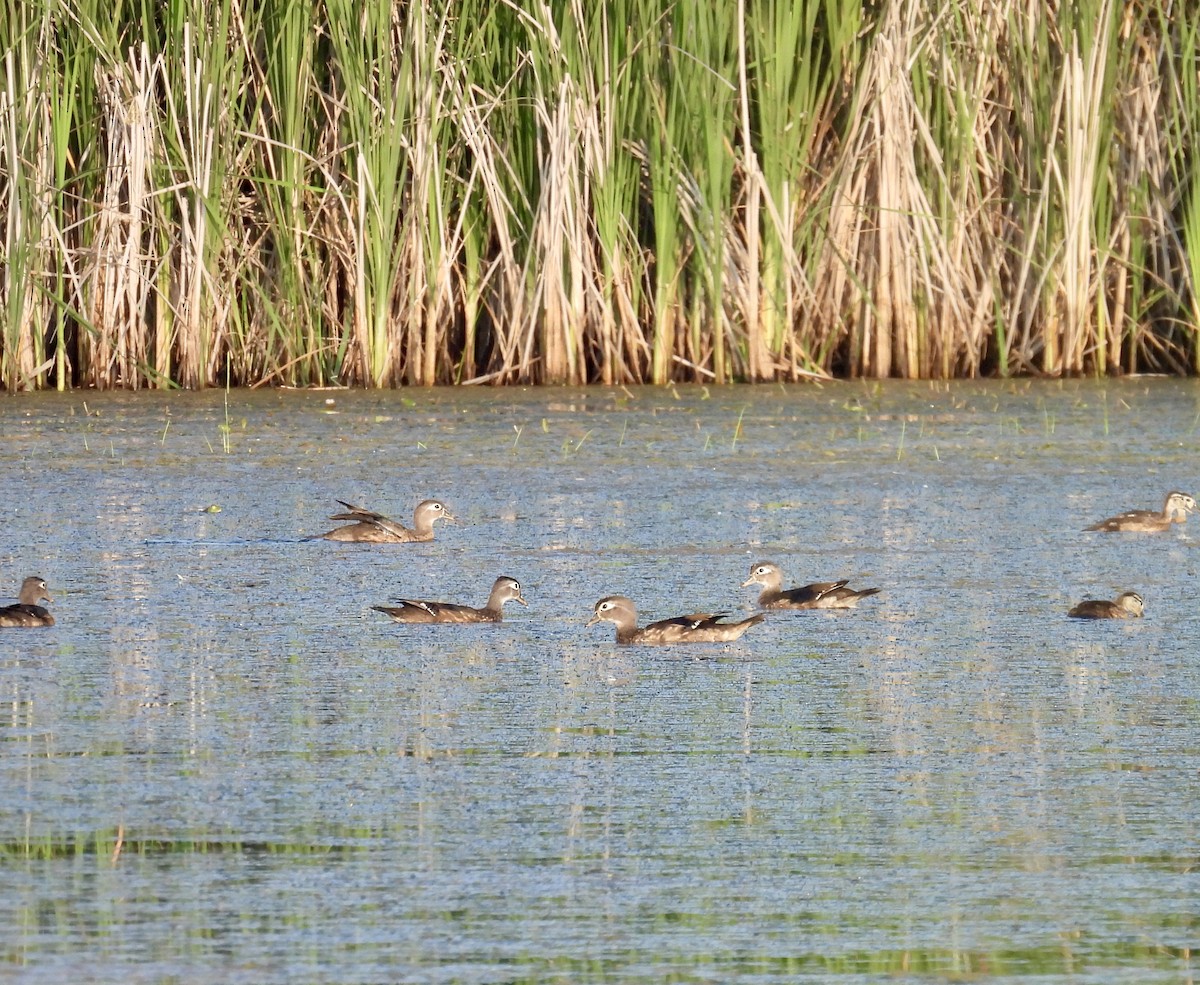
{"points": [[222, 765]]}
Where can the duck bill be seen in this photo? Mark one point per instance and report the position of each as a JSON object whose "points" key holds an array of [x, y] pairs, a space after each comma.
{"points": [[592, 621], [748, 582]]}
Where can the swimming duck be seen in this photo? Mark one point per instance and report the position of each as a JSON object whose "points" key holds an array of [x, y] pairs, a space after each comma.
{"points": [[375, 528], [819, 595], [1129, 605], [1175, 509], [27, 612], [700, 627], [416, 611]]}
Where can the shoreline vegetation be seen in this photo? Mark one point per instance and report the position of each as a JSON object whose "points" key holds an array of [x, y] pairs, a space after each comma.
{"points": [[316, 192]]}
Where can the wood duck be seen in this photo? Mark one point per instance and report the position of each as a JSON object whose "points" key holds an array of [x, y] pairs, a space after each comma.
{"points": [[27, 612], [819, 595], [415, 611], [700, 627], [1175, 509], [1128, 605], [375, 528]]}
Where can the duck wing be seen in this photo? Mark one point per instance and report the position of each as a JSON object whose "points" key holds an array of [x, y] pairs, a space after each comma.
{"points": [[23, 614], [1124, 519], [356, 514], [1095, 609], [419, 611], [696, 620], [699, 627], [811, 594]]}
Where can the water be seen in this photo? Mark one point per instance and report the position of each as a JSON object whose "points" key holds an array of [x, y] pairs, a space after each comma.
{"points": [[221, 765]]}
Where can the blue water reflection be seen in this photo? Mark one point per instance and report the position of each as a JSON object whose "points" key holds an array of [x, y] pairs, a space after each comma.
{"points": [[221, 765]]}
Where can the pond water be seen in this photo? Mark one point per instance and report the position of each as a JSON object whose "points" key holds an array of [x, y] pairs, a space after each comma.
{"points": [[222, 766]]}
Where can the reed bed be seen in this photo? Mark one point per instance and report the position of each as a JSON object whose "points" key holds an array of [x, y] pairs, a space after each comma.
{"points": [[320, 192]]}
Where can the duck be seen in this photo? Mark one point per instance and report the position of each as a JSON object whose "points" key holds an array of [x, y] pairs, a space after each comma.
{"points": [[819, 595], [1128, 605], [699, 627], [504, 590], [27, 613], [1175, 509], [367, 527]]}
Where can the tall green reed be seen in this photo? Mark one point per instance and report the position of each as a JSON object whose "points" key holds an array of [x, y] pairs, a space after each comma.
{"points": [[371, 112], [614, 110], [19, 202], [1179, 50], [304, 191], [287, 159], [799, 56]]}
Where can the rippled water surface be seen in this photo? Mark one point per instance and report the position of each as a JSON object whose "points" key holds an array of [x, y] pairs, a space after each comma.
{"points": [[222, 766]]}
